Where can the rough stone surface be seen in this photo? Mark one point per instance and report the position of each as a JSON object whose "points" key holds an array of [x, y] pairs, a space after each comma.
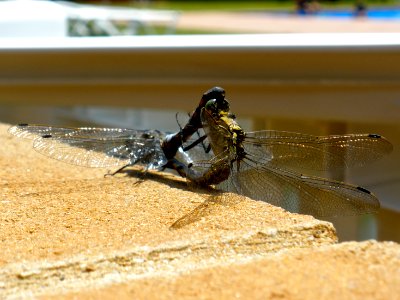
{"points": [[367, 270], [68, 230]]}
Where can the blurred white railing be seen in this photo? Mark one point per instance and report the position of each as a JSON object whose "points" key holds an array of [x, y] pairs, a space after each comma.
{"points": [[44, 18], [321, 76]]}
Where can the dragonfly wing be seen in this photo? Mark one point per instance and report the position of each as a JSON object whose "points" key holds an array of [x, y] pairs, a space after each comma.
{"points": [[95, 147], [297, 151], [301, 194], [33, 131]]}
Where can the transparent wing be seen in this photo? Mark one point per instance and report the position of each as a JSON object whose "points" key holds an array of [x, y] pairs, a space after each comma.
{"points": [[296, 151], [268, 170], [298, 193], [32, 131], [95, 147]]}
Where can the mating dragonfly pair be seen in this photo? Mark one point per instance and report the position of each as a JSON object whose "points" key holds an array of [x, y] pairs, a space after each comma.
{"points": [[264, 165]]}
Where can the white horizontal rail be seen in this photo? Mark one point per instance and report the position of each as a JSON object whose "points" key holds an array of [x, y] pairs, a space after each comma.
{"points": [[323, 76], [266, 41]]}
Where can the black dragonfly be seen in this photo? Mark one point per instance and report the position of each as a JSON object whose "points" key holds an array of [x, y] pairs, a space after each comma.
{"points": [[115, 147], [264, 165]]}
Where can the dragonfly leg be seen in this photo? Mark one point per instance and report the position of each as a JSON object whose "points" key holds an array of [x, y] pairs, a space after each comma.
{"points": [[206, 149], [195, 143], [147, 157], [141, 176], [117, 171]]}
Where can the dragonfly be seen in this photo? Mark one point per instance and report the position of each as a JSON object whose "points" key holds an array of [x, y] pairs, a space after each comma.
{"points": [[115, 147], [264, 165], [269, 165]]}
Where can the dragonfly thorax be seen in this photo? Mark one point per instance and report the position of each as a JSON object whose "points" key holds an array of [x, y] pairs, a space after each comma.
{"points": [[225, 134]]}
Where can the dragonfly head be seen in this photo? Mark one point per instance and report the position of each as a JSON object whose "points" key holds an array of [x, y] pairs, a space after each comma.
{"points": [[217, 107]]}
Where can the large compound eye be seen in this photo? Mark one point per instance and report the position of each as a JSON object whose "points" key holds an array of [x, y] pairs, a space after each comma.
{"points": [[211, 106]]}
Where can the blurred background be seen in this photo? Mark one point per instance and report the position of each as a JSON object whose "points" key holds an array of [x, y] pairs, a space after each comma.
{"points": [[318, 67]]}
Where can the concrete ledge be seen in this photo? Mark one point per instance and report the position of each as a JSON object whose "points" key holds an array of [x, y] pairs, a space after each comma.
{"points": [[66, 227], [367, 270]]}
